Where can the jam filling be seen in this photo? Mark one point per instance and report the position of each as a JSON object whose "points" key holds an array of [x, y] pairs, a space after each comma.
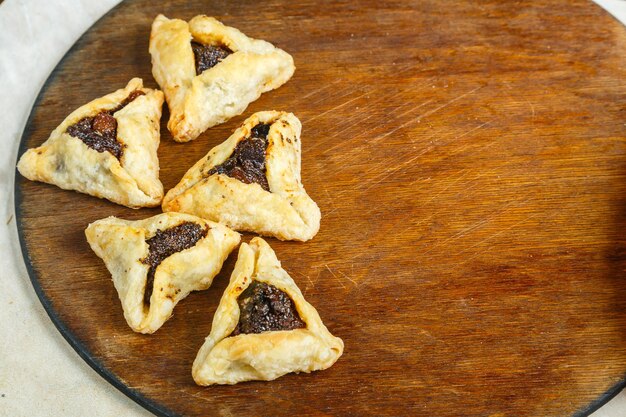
{"points": [[247, 162], [99, 132], [264, 308], [208, 56], [166, 243]]}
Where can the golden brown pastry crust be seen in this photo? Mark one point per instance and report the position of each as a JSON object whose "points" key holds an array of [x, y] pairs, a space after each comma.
{"points": [[285, 212], [197, 102], [69, 163], [122, 245], [269, 355]]}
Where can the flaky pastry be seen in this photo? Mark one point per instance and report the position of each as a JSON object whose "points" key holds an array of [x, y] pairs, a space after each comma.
{"points": [[237, 351], [273, 202], [158, 261], [106, 148], [210, 72]]}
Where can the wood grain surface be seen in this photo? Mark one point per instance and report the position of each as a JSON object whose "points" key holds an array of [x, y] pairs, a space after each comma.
{"points": [[469, 160]]}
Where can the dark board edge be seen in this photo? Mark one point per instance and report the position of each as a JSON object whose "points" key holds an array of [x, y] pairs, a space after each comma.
{"points": [[603, 399], [79, 346], [72, 340], [620, 385]]}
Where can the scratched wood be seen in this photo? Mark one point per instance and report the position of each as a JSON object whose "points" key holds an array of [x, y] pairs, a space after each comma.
{"points": [[469, 159]]}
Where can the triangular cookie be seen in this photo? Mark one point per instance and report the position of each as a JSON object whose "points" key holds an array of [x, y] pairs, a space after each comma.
{"points": [[277, 333], [106, 148], [158, 261], [234, 185], [211, 72]]}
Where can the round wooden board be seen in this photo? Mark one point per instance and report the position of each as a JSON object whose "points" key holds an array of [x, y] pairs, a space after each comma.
{"points": [[469, 159]]}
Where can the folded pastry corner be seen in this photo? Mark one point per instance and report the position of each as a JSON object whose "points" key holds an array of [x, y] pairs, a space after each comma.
{"points": [[263, 327], [251, 182], [106, 148], [158, 261], [210, 72]]}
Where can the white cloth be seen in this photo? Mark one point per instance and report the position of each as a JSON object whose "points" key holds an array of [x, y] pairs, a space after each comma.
{"points": [[40, 374]]}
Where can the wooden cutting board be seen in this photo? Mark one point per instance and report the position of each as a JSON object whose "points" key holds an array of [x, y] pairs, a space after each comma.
{"points": [[469, 160]]}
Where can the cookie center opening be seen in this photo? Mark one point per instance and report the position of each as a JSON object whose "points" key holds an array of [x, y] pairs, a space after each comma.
{"points": [[164, 244], [208, 56], [264, 308], [247, 162], [99, 132]]}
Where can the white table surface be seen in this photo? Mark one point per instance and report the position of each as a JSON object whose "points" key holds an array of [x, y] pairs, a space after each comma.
{"points": [[40, 374]]}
